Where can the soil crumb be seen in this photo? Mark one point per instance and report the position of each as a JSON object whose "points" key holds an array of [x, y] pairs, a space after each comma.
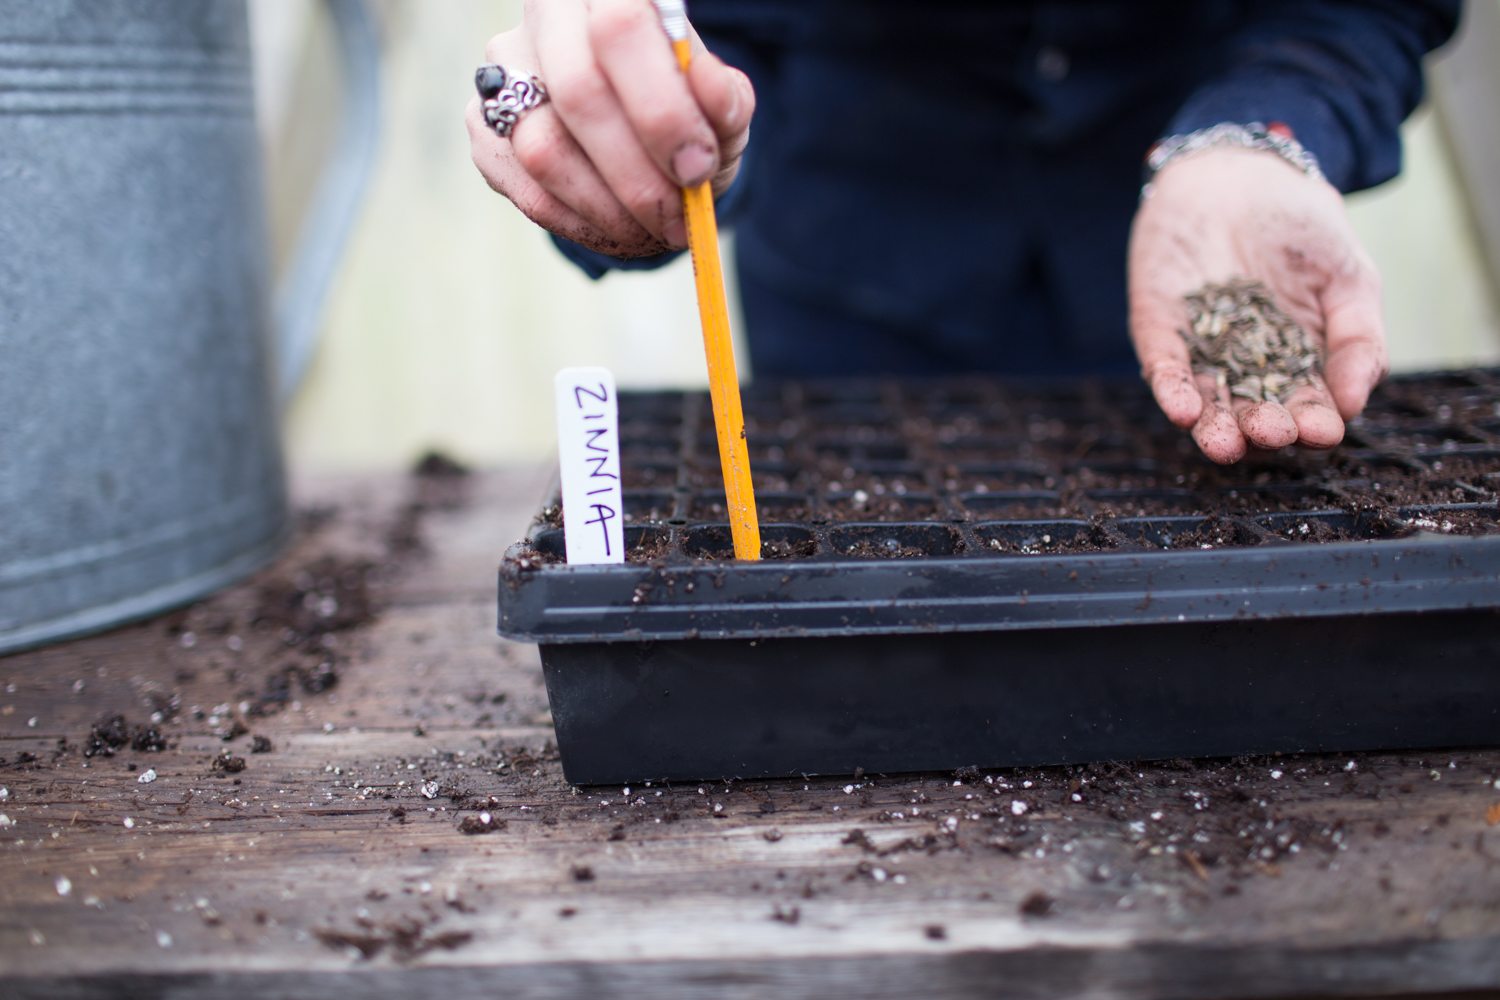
{"points": [[1037, 904], [483, 822], [407, 938], [112, 732], [436, 465]]}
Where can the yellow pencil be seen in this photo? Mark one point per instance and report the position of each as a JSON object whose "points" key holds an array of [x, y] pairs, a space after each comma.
{"points": [[713, 312]]}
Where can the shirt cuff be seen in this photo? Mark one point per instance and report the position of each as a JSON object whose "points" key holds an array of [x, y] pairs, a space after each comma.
{"points": [[596, 265], [1312, 122]]}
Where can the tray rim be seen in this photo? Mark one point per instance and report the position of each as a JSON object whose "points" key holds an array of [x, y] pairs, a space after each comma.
{"points": [[728, 600]]}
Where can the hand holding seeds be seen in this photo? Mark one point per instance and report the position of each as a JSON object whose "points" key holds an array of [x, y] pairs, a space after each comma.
{"points": [[603, 160], [1254, 311]]}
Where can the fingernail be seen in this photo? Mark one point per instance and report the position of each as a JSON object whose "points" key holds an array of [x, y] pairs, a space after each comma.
{"points": [[692, 164], [675, 233]]}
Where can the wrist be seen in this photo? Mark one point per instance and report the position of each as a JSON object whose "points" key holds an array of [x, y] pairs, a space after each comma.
{"points": [[1275, 138]]}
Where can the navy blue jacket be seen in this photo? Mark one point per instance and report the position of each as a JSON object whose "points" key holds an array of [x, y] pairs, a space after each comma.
{"points": [[947, 187]]}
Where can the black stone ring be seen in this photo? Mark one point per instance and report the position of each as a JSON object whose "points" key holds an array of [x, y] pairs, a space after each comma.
{"points": [[507, 95]]}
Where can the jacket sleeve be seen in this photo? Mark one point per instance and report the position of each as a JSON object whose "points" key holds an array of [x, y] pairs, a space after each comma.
{"points": [[1342, 74]]}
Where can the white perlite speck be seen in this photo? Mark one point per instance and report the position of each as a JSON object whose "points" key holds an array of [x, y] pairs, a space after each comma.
{"points": [[1275, 775], [147, 776], [1018, 808], [430, 789], [6, 822], [163, 939], [129, 823], [64, 885]]}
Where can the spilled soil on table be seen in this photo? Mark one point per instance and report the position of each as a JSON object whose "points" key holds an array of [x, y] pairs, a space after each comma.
{"points": [[291, 632]]}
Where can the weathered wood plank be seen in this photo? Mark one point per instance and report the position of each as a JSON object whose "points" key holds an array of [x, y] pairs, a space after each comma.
{"points": [[336, 860], [1168, 972]]}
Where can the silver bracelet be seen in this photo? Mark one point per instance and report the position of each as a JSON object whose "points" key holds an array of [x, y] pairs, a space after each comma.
{"points": [[1275, 138]]}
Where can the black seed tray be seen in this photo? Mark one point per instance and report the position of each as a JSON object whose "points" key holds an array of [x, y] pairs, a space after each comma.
{"points": [[974, 572]]}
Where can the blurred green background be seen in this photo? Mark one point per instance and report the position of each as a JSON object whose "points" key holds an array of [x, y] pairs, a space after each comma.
{"points": [[451, 312]]}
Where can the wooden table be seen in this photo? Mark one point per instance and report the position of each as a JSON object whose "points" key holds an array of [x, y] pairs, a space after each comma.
{"points": [[338, 863]]}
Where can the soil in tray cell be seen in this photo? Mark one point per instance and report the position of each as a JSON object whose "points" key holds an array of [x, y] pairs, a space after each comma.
{"points": [[862, 505], [1034, 505], [647, 474], [878, 478], [643, 544], [1465, 520], [1479, 410], [1425, 438], [780, 541], [895, 541], [1146, 503], [1082, 452], [1393, 492], [762, 448], [1356, 465], [639, 428], [946, 433], [1189, 533], [787, 508], [996, 477], [768, 420], [849, 418], [1317, 528], [1137, 475], [770, 477], [649, 449], [1391, 406], [861, 453], [987, 450], [648, 506], [1479, 468], [660, 407], [1399, 483], [953, 395], [1029, 538], [1048, 402], [836, 394], [1270, 499]]}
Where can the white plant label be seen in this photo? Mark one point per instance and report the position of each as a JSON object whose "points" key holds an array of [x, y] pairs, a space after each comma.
{"points": [[588, 448]]}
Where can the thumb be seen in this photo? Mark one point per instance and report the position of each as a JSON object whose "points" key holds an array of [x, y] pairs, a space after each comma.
{"points": [[1354, 326], [1155, 320]]}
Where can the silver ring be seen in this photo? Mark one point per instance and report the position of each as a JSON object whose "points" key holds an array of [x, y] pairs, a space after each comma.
{"points": [[507, 95]]}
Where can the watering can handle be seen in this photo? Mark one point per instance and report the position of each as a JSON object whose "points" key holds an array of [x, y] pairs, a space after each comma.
{"points": [[335, 204]]}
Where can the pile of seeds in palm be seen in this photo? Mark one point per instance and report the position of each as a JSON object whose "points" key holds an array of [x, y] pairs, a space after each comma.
{"points": [[1244, 339]]}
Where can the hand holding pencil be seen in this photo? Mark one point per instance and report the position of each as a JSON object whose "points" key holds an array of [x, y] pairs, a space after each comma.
{"points": [[602, 159]]}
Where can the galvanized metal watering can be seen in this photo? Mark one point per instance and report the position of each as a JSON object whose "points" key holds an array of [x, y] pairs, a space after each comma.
{"points": [[140, 462]]}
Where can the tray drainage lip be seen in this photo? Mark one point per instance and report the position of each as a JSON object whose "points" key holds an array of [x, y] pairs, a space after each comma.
{"points": [[1000, 593]]}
